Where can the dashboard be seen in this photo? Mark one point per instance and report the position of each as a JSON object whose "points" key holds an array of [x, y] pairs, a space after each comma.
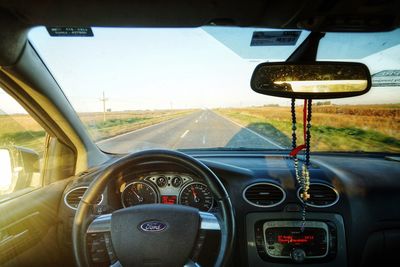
{"points": [[345, 189], [166, 188]]}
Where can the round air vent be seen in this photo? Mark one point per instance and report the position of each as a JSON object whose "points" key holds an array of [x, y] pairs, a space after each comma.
{"points": [[321, 195], [74, 196], [264, 195]]}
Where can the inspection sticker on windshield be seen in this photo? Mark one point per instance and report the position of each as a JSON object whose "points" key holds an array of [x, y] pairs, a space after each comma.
{"points": [[272, 38], [386, 78], [70, 31]]}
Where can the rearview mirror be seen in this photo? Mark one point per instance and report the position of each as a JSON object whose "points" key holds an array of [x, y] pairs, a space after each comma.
{"points": [[317, 80], [6, 168]]}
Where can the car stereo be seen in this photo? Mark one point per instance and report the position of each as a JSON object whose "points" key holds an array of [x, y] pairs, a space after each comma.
{"points": [[289, 241]]}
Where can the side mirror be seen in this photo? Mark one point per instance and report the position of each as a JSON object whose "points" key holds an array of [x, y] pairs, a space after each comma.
{"points": [[30, 160], [18, 166], [6, 167]]}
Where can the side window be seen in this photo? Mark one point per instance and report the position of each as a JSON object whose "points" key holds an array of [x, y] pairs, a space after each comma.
{"points": [[22, 143]]}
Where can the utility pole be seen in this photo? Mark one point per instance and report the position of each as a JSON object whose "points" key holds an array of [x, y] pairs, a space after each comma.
{"points": [[104, 99]]}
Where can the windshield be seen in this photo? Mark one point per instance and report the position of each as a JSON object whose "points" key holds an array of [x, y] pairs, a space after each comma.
{"points": [[141, 88]]}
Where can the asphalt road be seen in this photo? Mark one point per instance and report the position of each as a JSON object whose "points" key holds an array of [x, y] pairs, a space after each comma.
{"points": [[202, 129]]}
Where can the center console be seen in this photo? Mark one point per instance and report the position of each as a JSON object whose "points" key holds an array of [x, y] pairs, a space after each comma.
{"points": [[282, 239]]}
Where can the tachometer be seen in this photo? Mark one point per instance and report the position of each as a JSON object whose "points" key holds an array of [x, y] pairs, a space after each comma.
{"points": [[196, 195], [138, 193]]}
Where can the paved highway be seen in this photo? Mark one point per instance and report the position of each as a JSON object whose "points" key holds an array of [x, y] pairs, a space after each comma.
{"points": [[202, 129]]}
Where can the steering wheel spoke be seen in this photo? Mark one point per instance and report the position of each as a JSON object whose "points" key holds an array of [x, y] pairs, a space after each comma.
{"points": [[98, 236], [101, 224], [209, 221]]}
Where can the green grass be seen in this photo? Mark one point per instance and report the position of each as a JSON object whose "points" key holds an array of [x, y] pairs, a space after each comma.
{"points": [[361, 128], [355, 139], [23, 136], [122, 122], [116, 122], [22, 130], [30, 139], [271, 129], [323, 137]]}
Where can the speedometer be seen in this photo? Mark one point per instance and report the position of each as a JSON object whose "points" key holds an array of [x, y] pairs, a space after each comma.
{"points": [[197, 195], [138, 193]]}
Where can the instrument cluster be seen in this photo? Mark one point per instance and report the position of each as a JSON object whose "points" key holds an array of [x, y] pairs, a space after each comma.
{"points": [[167, 188]]}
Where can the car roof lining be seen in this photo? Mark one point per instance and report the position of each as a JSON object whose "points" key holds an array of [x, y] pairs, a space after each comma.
{"points": [[316, 15]]}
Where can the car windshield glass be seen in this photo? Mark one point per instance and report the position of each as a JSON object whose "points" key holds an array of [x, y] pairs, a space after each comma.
{"points": [[141, 88]]}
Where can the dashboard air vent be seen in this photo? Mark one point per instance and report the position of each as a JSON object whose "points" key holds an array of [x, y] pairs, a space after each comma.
{"points": [[264, 195], [321, 195], [74, 196]]}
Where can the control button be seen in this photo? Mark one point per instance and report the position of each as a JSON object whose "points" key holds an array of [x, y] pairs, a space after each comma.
{"points": [[259, 242], [110, 251], [270, 241], [298, 255], [270, 238], [258, 230]]}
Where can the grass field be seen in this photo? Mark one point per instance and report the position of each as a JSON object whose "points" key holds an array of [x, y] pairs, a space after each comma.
{"points": [[334, 128], [121, 122], [22, 130]]}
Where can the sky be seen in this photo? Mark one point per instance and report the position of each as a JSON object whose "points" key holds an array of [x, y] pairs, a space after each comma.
{"points": [[190, 68]]}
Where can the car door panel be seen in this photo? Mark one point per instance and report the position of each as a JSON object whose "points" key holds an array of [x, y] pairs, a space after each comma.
{"points": [[28, 226]]}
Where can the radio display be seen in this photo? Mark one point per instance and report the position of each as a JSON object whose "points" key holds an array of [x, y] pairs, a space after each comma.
{"points": [[280, 241], [295, 239]]}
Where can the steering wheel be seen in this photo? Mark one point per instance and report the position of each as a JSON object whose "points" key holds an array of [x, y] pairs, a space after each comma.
{"points": [[154, 234]]}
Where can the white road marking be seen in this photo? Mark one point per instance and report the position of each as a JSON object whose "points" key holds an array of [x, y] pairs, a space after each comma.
{"points": [[185, 133], [204, 139]]}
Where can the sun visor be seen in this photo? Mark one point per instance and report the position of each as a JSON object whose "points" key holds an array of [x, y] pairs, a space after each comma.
{"points": [[258, 44], [13, 36], [356, 45]]}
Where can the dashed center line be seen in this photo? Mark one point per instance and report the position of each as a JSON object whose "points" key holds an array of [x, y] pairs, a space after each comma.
{"points": [[185, 133], [204, 139]]}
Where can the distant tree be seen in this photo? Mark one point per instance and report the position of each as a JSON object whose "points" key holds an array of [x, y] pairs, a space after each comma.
{"points": [[323, 103], [271, 105]]}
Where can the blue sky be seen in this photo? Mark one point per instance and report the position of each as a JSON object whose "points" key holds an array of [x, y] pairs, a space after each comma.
{"points": [[190, 68]]}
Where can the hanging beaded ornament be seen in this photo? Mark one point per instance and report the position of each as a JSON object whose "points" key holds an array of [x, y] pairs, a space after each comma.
{"points": [[303, 176]]}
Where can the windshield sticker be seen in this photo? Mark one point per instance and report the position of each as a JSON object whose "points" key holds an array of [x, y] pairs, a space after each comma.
{"points": [[272, 38], [70, 31], [386, 78]]}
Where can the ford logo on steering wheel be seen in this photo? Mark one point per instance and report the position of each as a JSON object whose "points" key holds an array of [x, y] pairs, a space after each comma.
{"points": [[153, 226]]}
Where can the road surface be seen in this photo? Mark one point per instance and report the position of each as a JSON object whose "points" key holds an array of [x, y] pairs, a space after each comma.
{"points": [[202, 129]]}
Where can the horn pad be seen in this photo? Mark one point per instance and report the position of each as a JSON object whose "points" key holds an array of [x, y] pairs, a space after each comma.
{"points": [[154, 234]]}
